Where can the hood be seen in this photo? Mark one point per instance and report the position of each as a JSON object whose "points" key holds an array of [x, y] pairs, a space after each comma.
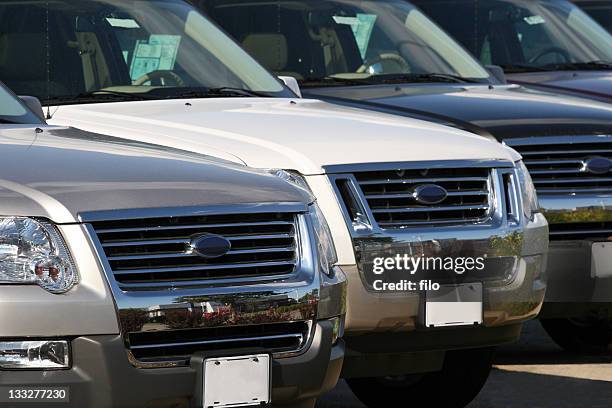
{"points": [[597, 84], [505, 110], [292, 134], [57, 173]]}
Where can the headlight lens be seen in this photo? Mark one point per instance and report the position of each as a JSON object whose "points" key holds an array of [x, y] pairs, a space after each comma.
{"points": [[528, 191], [325, 243], [33, 252], [292, 177]]}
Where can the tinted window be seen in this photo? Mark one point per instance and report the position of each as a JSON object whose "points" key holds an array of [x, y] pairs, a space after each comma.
{"points": [[342, 38], [56, 48], [600, 11], [522, 33]]}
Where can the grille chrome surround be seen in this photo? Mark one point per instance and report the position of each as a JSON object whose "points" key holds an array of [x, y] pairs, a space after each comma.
{"points": [[177, 346], [154, 252], [558, 164], [384, 197]]}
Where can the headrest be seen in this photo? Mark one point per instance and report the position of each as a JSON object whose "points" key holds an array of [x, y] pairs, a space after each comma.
{"points": [[270, 49]]}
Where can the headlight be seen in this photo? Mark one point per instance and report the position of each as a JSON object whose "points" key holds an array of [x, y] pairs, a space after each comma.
{"points": [[33, 252], [292, 177], [528, 191], [325, 242]]}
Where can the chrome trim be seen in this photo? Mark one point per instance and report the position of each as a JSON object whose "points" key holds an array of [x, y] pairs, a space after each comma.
{"points": [[369, 224], [232, 340], [299, 291], [438, 164], [229, 209]]}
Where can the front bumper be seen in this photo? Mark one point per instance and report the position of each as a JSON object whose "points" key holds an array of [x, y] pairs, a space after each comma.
{"points": [[395, 320], [101, 375], [576, 223], [506, 301]]}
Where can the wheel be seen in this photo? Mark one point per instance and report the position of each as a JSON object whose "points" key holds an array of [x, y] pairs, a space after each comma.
{"points": [[463, 375], [583, 335]]}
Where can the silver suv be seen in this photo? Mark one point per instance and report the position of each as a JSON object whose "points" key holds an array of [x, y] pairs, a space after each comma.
{"points": [[133, 275]]}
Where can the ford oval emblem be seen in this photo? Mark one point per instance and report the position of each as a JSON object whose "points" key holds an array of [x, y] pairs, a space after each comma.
{"points": [[597, 165], [209, 245], [429, 194]]}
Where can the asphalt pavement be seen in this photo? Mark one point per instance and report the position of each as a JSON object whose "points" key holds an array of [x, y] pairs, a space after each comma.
{"points": [[533, 373]]}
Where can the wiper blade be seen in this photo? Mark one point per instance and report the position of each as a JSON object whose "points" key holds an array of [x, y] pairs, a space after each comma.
{"points": [[225, 91], [426, 77], [96, 96], [333, 80], [519, 68], [578, 66], [8, 122]]}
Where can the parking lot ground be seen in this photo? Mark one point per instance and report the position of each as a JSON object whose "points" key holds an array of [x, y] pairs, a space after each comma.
{"points": [[533, 373]]}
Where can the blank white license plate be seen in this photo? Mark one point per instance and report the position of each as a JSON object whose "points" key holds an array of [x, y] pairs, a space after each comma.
{"points": [[237, 381], [454, 305], [601, 260]]}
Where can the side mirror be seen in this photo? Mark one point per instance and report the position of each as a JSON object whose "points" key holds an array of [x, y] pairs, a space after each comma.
{"points": [[292, 84], [34, 105], [497, 72]]}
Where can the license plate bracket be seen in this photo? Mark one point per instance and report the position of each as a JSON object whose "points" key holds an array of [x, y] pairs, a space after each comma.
{"points": [[236, 381], [454, 305], [601, 260]]}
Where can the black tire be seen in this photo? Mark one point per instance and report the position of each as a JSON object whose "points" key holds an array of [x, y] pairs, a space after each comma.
{"points": [[463, 375], [587, 335]]}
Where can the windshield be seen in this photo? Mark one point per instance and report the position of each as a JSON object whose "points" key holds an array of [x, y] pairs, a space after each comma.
{"points": [[60, 49], [600, 11], [13, 111], [524, 35], [357, 41]]}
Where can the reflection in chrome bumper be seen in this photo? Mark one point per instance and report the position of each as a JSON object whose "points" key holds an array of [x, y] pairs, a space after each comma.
{"points": [[575, 223]]}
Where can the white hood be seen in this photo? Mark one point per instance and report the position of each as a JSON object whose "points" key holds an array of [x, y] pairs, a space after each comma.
{"points": [[298, 134]]}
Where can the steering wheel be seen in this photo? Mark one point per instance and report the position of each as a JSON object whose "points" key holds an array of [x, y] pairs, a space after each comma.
{"points": [[385, 56], [551, 50], [156, 76]]}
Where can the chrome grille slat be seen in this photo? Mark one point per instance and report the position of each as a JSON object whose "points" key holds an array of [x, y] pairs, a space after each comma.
{"points": [[171, 255], [156, 252], [390, 195], [558, 164], [193, 226], [423, 180], [430, 209], [450, 194], [298, 337]]}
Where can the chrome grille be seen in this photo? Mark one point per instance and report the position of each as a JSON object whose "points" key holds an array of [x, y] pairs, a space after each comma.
{"points": [[389, 195], [558, 165], [154, 251], [179, 345], [598, 231]]}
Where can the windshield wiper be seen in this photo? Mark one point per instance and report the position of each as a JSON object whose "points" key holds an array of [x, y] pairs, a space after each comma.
{"points": [[580, 66], [520, 68], [385, 79], [225, 91], [333, 80], [97, 96], [8, 122], [426, 77]]}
